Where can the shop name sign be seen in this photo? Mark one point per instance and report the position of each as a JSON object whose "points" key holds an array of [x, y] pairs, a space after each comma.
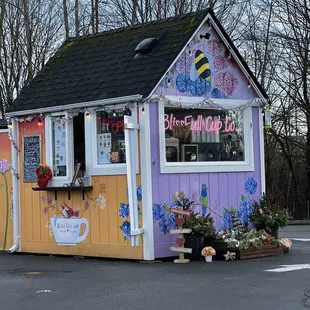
{"points": [[209, 125]]}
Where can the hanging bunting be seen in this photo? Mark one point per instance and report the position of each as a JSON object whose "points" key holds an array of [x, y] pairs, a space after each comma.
{"points": [[208, 102]]}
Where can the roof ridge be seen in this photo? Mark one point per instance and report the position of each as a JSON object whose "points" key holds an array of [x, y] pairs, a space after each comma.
{"points": [[139, 25]]}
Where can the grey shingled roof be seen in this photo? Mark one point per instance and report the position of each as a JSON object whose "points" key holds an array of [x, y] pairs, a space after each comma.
{"points": [[3, 124], [103, 66]]}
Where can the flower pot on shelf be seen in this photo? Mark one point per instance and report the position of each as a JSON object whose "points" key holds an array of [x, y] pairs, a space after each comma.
{"points": [[43, 182], [208, 258]]}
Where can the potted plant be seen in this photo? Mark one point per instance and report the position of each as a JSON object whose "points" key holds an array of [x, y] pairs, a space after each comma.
{"points": [[44, 174], [202, 227], [208, 252], [268, 216]]}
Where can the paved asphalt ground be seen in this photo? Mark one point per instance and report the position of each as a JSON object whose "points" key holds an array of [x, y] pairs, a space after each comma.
{"points": [[71, 283]]}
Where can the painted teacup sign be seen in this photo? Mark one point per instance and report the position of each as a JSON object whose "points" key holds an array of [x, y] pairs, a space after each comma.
{"points": [[67, 231]]}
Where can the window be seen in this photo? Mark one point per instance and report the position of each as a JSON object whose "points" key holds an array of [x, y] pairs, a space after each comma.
{"points": [[110, 138], [203, 135], [64, 145], [205, 140], [105, 142], [59, 147]]}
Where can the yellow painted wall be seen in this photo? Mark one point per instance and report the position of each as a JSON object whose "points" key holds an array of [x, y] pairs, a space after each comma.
{"points": [[105, 237], [5, 209]]}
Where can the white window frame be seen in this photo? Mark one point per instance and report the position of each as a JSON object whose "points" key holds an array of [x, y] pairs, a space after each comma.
{"points": [[92, 166], [207, 166], [56, 180]]}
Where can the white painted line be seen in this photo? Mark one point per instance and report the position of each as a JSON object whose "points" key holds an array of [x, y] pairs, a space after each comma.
{"points": [[44, 291], [285, 268], [300, 239]]}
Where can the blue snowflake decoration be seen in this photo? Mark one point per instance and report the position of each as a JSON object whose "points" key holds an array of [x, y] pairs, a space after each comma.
{"points": [[250, 186], [125, 228]]}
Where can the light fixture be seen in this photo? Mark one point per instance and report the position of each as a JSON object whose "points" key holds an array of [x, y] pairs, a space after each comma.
{"points": [[229, 56], [40, 122], [143, 112], [249, 85], [10, 125], [87, 115]]}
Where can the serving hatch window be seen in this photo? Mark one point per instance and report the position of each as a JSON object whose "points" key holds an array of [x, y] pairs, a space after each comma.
{"points": [[110, 137], [200, 135], [59, 146]]}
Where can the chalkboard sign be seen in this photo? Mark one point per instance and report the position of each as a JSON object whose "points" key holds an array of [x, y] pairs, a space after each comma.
{"points": [[32, 156]]}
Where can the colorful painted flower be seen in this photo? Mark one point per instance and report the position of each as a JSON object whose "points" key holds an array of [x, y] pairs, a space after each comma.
{"points": [[184, 63], [158, 212], [123, 210], [245, 210], [4, 168], [250, 186], [226, 220], [86, 205], [4, 165], [125, 228], [227, 81], [101, 201], [139, 193], [45, 210]]}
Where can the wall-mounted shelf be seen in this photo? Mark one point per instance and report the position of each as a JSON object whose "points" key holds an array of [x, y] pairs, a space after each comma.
{"points": [[69, 189]]}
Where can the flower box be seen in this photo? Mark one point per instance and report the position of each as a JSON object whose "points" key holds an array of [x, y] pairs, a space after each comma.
{"points": [[261, 251]]}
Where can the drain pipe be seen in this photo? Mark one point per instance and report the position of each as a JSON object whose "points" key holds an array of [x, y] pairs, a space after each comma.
{"points": [[15, 185]]}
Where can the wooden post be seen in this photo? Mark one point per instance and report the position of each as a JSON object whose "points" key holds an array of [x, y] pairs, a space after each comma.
{"points": [[180, 240]]}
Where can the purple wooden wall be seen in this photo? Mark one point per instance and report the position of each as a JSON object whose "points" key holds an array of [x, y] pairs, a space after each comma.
{"points": [[224, 189]]}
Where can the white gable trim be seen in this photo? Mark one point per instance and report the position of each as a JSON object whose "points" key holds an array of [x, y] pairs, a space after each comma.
{"points": [[80, 105], [245, 72]]}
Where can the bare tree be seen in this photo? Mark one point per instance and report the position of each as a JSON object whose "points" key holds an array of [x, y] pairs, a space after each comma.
{"points": [[77, 21], [66, 18]]}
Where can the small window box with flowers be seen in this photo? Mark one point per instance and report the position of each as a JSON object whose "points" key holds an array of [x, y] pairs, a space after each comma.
{"points": [[44, 174]]}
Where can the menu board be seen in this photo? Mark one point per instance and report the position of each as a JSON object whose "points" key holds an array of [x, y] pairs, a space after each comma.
{"points": [[31, 156], [104, 148]]}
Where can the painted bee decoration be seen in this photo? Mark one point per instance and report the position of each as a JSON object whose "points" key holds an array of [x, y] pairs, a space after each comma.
{"points": [[202, 65]]}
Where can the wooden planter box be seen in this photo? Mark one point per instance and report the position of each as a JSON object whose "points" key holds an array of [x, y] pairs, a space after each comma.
{"points": [[261, 251]]}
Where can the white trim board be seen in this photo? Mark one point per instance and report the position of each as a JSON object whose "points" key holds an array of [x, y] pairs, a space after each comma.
{"points": [[262, 151], [87, 104], [146, 183]]}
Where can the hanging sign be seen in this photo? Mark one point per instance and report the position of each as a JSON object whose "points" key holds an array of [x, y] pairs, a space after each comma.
{"points": [[267, 118], [207, 124], [181, 212]]}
